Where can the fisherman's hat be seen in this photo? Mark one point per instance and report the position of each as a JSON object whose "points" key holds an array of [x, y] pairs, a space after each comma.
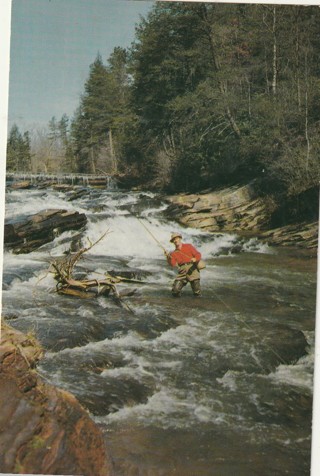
{"points": [[175, 235]]}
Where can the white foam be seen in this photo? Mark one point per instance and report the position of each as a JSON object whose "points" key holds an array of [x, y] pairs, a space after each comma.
{"points": [[33, 201], [299, 374], [257, 246], [229, 380]]}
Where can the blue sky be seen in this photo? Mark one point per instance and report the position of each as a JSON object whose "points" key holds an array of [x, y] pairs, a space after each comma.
{"points": [[53, 43]]}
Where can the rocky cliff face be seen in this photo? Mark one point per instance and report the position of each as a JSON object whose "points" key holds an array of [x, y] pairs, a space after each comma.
{"points": [[42, 429], [241, 210]]}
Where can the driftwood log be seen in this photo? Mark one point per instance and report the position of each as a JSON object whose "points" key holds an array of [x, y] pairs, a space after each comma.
{"points": [[62, 269], [66, 284]]}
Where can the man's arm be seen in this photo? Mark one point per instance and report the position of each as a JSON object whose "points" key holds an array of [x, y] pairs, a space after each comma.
{"points": [[196, 255], [171, 260]]}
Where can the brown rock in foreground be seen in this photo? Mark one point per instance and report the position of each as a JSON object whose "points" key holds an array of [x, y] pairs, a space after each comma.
{"points": [[42, 429]]}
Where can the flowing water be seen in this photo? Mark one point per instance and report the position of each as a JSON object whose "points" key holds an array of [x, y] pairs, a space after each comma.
{"points": [[220, 385]]}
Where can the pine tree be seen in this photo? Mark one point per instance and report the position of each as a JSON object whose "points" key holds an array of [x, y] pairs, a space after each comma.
{"points": [[18, 151], [99, 128], [91, 125]]}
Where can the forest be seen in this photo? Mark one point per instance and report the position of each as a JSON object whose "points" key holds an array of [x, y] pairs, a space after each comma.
{"points": [[206, 96]]}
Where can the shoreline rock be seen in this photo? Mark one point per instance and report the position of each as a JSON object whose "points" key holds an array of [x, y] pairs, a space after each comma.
{"points": [[241, 210], [43, 429], [28, 234]]}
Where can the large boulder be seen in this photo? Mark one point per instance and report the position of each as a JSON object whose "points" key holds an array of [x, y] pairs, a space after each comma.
{"points": [[231, 209], [43, 429], [241, 210], [28, 234]]}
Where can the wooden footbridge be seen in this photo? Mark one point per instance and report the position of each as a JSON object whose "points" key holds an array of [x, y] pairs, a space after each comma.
{"points": [[73, 179]]}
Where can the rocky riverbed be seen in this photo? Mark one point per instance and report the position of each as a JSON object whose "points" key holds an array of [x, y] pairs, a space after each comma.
{"points": [[165, 383]]}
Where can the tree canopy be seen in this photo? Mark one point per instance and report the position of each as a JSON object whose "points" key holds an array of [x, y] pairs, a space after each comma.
{"points": [[208, 94], [224, 93]]}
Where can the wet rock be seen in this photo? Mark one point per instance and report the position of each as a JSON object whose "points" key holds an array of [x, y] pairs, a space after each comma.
{"points": [[34, 231], [24, 185], [303, 235], [278, 345], [11, 238], [77, 193], [133, 274], [241, 210], [232, 209], [117, 393], [289, 344], [44, 429]]}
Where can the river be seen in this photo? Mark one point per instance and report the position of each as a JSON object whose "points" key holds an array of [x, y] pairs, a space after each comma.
{"points": [[217, 385]]}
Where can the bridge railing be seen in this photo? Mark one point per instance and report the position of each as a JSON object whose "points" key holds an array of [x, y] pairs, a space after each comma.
{"points": [[74, 179]]}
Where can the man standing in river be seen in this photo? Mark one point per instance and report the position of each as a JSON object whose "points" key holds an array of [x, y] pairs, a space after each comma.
{"points": [[186, 257]]}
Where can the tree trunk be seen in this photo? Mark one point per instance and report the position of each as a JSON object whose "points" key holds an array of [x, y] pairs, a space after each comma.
{"points": [[93, 165], [217, 68], [275, 53], [113, 156], [297, 62], [307, 112]]}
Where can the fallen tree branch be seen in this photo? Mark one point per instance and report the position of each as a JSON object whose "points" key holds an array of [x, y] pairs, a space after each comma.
{"points": [[84, 288]]}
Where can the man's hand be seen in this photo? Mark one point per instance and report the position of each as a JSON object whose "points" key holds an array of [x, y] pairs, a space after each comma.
{"points": [[193, 260], [166, 253]]}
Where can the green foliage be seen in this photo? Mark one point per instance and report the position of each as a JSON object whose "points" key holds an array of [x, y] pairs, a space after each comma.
{"points": [[225, 93], [18, 151], [99, 127]]}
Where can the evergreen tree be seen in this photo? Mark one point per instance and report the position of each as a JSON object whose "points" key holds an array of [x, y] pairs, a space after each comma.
{"points": [[99, 129], [91, 125], [18, 151], [121, 117]]}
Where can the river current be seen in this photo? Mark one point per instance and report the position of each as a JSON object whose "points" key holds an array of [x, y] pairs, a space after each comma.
{"points": [[189, 387]]}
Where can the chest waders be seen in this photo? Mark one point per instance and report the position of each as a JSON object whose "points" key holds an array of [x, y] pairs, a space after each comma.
{"points": [[188, 273]]}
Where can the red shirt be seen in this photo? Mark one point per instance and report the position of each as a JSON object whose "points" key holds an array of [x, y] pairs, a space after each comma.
{"points": [[183, 255]]}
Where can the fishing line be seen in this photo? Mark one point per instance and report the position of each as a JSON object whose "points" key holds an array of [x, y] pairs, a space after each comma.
{"points": [[225, 304], [238, 317], [157, 241], [294, 444], [150, 233]]}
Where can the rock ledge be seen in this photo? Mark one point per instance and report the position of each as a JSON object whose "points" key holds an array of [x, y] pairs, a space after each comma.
{"points": [[240, 210]]}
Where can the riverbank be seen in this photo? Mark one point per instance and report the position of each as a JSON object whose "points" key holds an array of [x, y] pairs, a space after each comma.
{"points": [[46, 429], [241, 210]]}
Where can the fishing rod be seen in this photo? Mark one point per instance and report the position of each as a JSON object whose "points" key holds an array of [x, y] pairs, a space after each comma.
{"points": [[152, 235], [167, 254], [239, 318]]}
